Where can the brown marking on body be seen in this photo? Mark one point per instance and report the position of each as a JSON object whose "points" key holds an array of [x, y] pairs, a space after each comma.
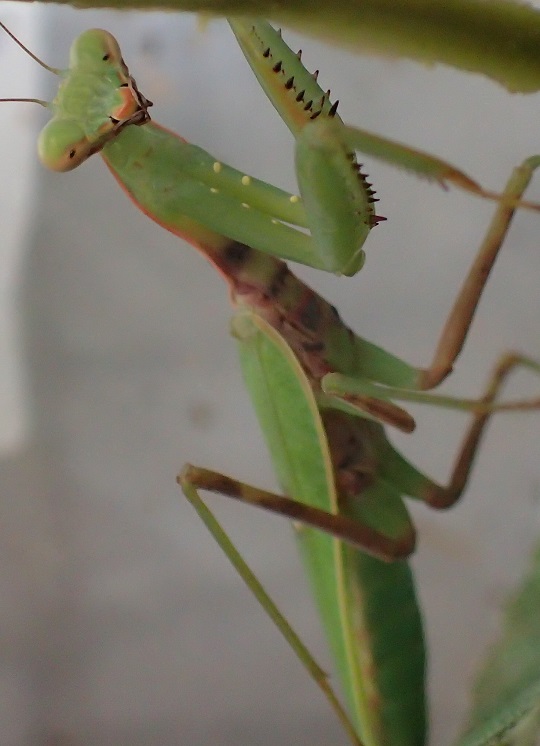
{"points": [[313, 346], [354, 458], [309, 313], [278, 281], [292, 308], [236, 254]]}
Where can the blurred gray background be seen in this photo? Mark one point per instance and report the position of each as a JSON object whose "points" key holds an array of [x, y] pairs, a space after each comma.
{"points": [[120, 620]]}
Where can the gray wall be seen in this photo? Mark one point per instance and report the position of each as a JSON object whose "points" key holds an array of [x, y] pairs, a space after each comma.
{"points": [[121, 622]]}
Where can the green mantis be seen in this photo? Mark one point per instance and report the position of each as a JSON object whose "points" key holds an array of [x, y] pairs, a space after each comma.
{"points": [[289, 337]]}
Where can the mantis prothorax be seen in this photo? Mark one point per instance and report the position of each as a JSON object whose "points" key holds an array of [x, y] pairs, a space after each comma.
{"points": [[321, 392]]}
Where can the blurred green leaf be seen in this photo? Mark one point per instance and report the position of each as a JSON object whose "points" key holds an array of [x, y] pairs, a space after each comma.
{"points": [[506, 706], [496, 38]]}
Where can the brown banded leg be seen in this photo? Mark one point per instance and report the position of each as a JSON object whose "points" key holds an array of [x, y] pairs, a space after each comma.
{"points": [[340, 526], [185, 479], [444, 497], [460, 318]]}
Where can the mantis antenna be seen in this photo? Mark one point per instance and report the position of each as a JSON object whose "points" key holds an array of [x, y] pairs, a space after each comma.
{"points": [[25, 101], [54, 70]]}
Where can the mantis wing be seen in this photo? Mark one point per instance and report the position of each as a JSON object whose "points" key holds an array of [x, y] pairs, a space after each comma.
{"points": [[368, 608]]}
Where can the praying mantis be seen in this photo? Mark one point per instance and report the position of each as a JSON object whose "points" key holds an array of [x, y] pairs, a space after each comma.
{"points": [[281, 347]]}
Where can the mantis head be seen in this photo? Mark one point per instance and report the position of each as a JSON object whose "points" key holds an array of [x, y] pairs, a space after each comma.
{"points": [[97, 98]]}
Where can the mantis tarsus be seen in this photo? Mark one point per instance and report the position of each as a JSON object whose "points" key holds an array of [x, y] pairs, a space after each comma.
{"points": [[284, 322]]}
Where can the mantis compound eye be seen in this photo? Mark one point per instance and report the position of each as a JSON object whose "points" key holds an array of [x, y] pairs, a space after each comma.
{"points": [[63, 145], [95, 50]]}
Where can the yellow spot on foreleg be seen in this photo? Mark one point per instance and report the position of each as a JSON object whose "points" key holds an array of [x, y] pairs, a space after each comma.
{"points": [[294, 198], [246, 180], [217, 167]]}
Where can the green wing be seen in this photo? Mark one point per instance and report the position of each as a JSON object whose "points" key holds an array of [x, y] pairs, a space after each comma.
{"points": [[368, 608]]}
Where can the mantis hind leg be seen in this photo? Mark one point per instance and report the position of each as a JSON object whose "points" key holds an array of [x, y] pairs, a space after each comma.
{"points": [[385, 546], [445, 497], [415, 484], [190, 480], [462, 313]]}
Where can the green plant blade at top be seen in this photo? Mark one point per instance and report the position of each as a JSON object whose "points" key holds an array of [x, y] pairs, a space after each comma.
{"points": [[496, 38]]}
